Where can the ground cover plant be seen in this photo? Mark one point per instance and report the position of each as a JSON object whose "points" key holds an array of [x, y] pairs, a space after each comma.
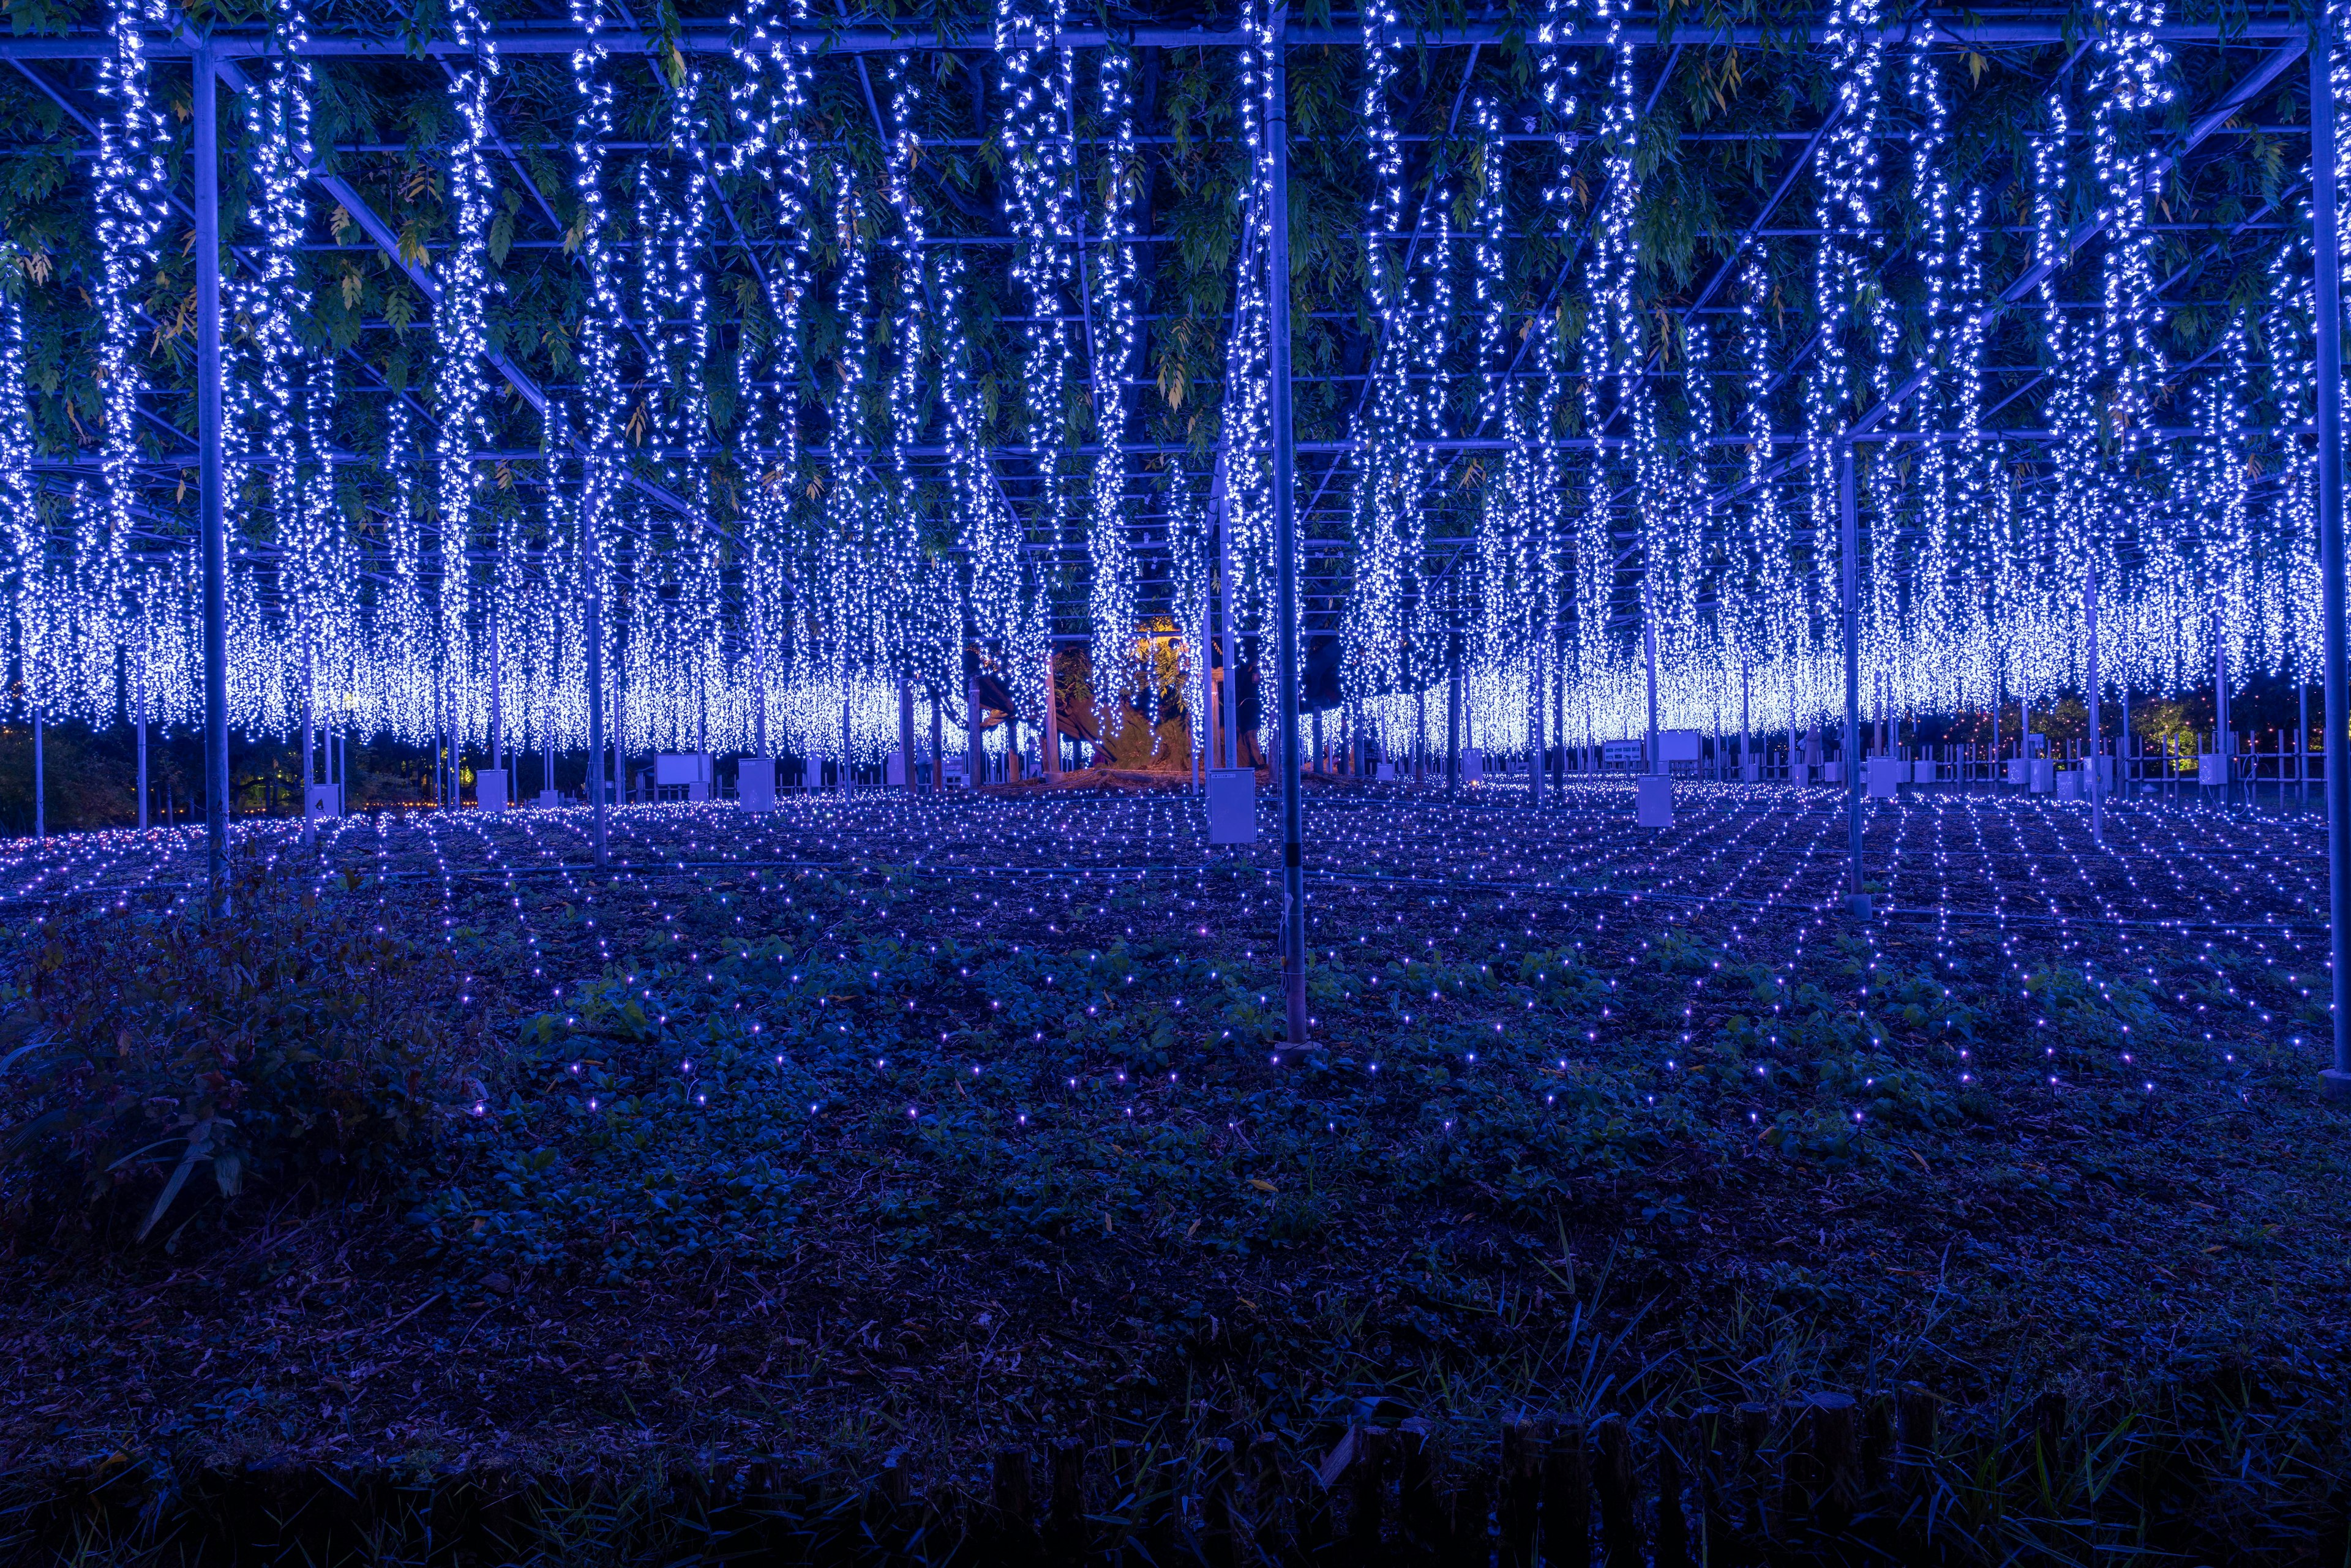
{"points": [[884, 1128]]}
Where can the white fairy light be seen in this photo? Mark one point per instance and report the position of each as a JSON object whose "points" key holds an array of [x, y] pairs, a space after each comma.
{"points": [[1110, 608]]}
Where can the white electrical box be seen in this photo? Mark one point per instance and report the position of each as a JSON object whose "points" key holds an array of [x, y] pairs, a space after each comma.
{"points": [[755, 784], [490, 789], [326, 800], [1232, 805], [1473, 764], [1654, 800]]}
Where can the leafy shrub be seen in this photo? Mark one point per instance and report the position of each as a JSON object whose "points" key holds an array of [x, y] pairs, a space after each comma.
{"points": [[140, 1049]]}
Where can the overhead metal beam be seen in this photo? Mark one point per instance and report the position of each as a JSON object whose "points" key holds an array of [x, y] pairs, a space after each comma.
{"points": [[518, 40]]}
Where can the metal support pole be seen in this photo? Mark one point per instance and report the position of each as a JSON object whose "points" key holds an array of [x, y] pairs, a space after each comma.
{"points": [[906, 733], [1228, 709], [1650, 649], [40, 781], [1453, 716], [309, 739], [594, 633], [2336, 1079], [142, 744], [1745, 693], [1285, 543], [211, 526], [1049, 742], [976, 753], [1536, 758], [1849, 533], [497, 715], [2220, 746], [1420, 736], [2097, 794], [759, 698], [939, 755]]}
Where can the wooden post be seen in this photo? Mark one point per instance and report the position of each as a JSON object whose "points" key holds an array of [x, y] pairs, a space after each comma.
{"points": [[1567, 1499], [1876, 1441], [1914, 1435], [1416, 1505], [1472, 1545], [1819, 1482], [1069, 1460], [1367, 1486], [1709, 1434], [1754, 1433], [1011, 1486], [1673, 1524], [1523, 1456], [1620, 1520]]}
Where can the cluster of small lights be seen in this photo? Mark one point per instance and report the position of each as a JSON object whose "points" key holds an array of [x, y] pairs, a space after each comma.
{"points": [[1112, 292], [2212, 919], [1392, 470]]}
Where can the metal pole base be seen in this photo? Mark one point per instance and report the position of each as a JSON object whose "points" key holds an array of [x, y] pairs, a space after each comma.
{"points": [[1857, 905], [2335, 1085]]}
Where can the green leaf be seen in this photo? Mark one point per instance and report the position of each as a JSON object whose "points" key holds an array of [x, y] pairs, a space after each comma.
{"points": [[199, 1144]]}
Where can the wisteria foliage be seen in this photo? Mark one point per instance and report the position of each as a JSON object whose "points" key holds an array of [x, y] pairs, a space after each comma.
{"points": [[826, 375]]}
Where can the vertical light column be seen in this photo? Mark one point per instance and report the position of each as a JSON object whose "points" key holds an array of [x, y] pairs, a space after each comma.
{"points": [[1285, 541], [210, 512], [594, 634], [2090, 614], [1849, 534], [2336, 1080]]}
